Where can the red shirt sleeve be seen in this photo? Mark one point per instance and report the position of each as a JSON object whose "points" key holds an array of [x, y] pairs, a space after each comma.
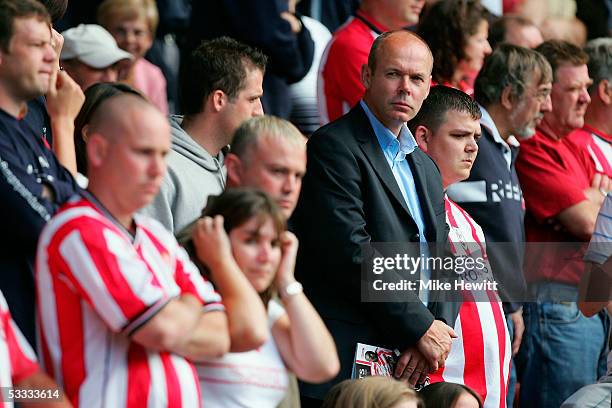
{"points": [[341, 75], [552, 177], [22, 358], [189, 279]]}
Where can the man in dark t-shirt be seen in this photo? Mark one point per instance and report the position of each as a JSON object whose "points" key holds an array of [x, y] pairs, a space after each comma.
{"points": [[33, 183]]}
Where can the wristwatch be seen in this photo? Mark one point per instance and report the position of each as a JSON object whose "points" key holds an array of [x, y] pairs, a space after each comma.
{"points": [[292, 289]]}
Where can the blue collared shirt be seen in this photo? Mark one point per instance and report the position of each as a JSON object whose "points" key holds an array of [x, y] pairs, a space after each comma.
{"points": [[395, 150]]}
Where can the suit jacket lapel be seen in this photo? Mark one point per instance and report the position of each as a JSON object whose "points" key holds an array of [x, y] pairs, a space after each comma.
{"points": [[371, 148], [418, 172]]}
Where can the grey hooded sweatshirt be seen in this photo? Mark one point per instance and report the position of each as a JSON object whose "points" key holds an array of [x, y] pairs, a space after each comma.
{"points": [[193, 175]]}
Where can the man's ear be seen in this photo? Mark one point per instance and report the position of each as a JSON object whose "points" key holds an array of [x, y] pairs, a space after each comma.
{"points": [[506, 98], [85, 133], [422, 136], [233, 165], [604, 91], [366, 76], [428, 87], [97, 149], [218, 100]]}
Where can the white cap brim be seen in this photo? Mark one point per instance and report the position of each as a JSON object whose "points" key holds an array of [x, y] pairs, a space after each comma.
{"points": [[104, 58]]}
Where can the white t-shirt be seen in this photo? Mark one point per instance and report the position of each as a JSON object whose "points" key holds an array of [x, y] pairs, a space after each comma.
{"points": [[305, 110], [256, 378]]}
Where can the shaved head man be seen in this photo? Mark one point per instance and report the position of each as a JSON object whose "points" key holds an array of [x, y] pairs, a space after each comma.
{"points": [[126, 148], [99, 266]]}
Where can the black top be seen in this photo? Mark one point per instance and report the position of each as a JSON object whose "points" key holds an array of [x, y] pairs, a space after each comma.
{"points": [[26, 165], [258, 24]]}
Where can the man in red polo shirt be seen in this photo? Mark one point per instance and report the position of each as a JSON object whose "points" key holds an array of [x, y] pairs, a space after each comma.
{"points": [[339, 84], [562, 194], [596, 134]]}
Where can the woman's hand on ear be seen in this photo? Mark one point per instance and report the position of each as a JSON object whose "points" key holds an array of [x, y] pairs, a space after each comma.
{"points": [[211, 242], [286, 269]]}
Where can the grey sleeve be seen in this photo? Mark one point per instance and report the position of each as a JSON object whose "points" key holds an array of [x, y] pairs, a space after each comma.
{"points": [[600, 247], [160, 208]]}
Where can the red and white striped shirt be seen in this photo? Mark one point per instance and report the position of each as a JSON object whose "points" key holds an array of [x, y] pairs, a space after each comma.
{"points": [[95, 287], [17, 359], [597, 144], [480, 357]]}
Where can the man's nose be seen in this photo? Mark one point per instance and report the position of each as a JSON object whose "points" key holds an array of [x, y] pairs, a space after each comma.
{"points": [[157, 166], [546, 106], [258, 111]]}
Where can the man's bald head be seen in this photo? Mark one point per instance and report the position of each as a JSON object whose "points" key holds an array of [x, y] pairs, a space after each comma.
{"points": [[397, 38], [121, 113], [397, 78], [128, 141]]}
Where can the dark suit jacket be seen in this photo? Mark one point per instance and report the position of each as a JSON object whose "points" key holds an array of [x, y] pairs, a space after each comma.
{"points": [[350, 197]]}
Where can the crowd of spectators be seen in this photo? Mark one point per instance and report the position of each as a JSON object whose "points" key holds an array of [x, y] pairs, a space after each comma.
{"points": [[196, 191]]}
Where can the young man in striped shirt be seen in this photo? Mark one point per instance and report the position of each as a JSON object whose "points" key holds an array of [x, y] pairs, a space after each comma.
{"points": [[447, 128], [513, 92], [122, 310]]}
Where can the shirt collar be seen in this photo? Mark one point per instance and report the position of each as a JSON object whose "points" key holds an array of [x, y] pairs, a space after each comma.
{"points": [[395, 148], [102, 209], [597, 132], [372, 24], [487, 121]]}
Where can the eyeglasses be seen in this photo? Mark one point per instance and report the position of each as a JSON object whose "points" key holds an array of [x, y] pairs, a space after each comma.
{"points": [[541, 95]]}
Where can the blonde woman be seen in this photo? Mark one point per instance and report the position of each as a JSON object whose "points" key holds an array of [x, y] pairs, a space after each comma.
{"points": [[133, 23]]}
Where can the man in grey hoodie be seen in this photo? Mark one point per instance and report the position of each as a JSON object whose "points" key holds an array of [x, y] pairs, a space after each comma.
{"points": [[221, 88]]}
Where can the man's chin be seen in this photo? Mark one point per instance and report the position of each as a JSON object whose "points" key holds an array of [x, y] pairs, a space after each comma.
{"points": [[526, 133], [402, 116], [39, 91], [146, 199], [577, 123]]}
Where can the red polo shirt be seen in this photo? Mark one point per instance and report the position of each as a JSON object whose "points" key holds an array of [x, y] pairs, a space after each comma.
{"points": [[552, 178]]}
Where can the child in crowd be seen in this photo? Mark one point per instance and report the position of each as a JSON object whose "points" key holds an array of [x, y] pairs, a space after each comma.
{"points": [[450, 395], [133, 24], [265, 252]]}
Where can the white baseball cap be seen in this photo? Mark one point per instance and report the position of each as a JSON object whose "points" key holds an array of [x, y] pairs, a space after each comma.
{"points": [[92, 45]]}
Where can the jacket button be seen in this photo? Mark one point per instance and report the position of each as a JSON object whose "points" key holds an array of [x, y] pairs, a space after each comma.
{"points": [[415, 238]]}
